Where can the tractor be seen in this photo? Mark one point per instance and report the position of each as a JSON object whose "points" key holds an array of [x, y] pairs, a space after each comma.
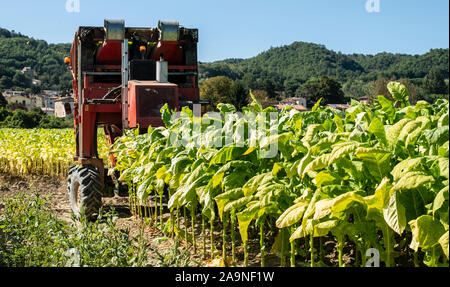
{"points": [[122, 77]]}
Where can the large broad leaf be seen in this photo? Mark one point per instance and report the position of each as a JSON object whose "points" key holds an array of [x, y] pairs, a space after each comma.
{"points": [[443, 241], [440, 199], [394, 131], [326, 178], [323, 208], [413, 180], [245, 218], [318, 163], [304, 163], [409, 129], [443, 166], [323, 228], [376, 127], [227, 154], [311, 137], [340, 150], [378, 161], [437, 136], [399, 92], [394, 214], [426, 232], [292, 215], [252, 184], [344, 202], [405, 166], [387, 107]]}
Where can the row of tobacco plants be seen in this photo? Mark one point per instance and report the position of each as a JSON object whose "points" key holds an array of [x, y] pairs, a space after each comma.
{"points": [[373, 176]]}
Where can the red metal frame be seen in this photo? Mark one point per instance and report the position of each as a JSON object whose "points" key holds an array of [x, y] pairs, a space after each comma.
{"points": [[102, 73]]}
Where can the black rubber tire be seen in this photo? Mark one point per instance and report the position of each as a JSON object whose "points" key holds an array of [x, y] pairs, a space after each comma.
{"points": [[84, 182]]}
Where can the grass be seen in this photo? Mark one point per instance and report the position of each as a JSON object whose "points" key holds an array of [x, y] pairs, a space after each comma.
{"points": [[31, 235]]}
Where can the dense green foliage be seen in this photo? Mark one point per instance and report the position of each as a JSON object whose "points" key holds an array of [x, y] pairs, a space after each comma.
{"points": [[286, 68], [47, 60], [35, 118], [376, 177], [32, 236]]}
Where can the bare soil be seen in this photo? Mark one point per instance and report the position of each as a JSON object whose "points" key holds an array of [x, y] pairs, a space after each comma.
{"points": [[56, 189]]}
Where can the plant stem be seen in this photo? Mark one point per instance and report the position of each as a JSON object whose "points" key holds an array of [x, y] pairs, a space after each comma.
{"points": [[293, 253], [185, 225], [211, 228], [261, 242], [245, 254], [161, 223], [340, 249], [193, 229], [283, 247], [224, 238], [387, 241], [204, 236], [233, 236]]}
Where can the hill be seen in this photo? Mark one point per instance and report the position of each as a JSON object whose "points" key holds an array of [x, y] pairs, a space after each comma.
{"points": [[297, 63], [47, 60]]}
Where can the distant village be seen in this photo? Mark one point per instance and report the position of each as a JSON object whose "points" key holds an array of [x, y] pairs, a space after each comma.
{"points": [[50, 102], [53, 103]]}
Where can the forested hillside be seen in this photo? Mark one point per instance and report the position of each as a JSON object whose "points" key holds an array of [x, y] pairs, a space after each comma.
{"points": [[282, 71], [288, 67], [47, 60]]}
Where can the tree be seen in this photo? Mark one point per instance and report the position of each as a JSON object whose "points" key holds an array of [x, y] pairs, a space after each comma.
{"points": [[239, 95], [434, 82], [3, 101], [217, 90], [327, 88], [21, 80]]}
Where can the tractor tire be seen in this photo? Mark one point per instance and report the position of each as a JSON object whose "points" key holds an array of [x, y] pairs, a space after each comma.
{"points": [[85, 194]]}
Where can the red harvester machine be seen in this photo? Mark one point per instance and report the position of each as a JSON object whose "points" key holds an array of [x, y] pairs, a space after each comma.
{"points": [[121, 78]]}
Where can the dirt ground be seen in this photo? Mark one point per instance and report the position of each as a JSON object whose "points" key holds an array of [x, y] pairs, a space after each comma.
{"points": [[56, 189]]}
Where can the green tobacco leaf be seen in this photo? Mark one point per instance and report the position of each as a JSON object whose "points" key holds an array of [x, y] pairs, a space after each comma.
{"points": [[303, 163], [378, 161], [437, 136], [244, 219], [409, 129], [381, 196], [317, 105], [426, 232], [443, 166], [413, 180], [394, 214], [310, 137], [340, 150], [376, 127], [443, 241], [292, 215], [325, 178], [345, 201], [323, 228], [387, 106], [398, 92], [440, 199], [323, 208], [319, 163], [394, 131], [405, 166], [227, 154], [252, 184]]}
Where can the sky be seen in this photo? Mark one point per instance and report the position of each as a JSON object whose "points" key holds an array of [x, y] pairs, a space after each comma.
{"points": [[245, 28]]}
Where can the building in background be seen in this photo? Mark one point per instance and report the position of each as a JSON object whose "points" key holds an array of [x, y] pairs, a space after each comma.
{"points": [[63, 107]]}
